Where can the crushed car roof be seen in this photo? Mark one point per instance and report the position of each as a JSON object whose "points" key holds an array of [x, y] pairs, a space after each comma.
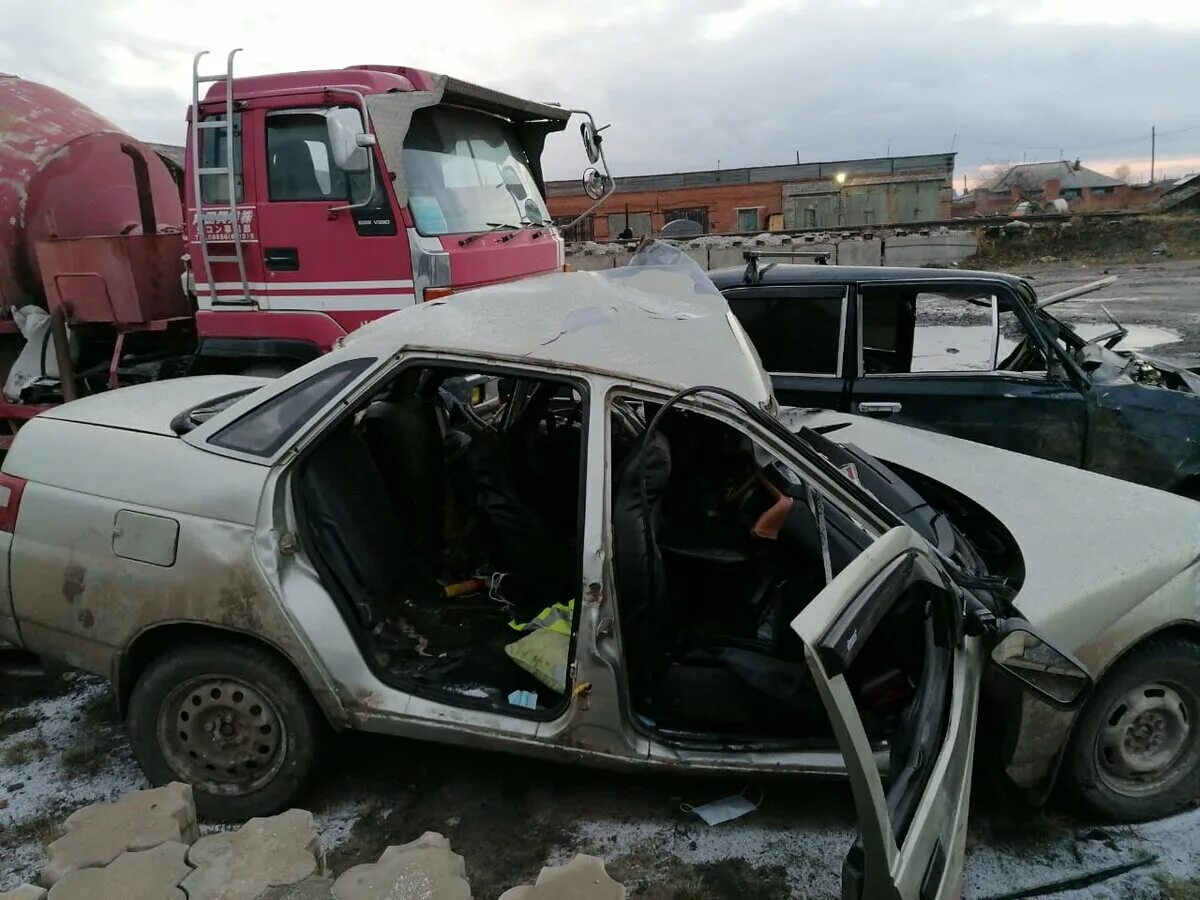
{"points": [[659, 324], [791, 273]]}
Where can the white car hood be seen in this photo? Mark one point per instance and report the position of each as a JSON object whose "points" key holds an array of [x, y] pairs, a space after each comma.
{"points": [[151, 407], [1094, 546]]}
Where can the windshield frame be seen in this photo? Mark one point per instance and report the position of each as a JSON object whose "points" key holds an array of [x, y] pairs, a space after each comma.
{"points": [[518, 157]]}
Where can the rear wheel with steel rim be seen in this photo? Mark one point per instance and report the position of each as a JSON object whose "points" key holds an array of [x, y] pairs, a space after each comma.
{"points": [[1135, 751], [233, 720]]}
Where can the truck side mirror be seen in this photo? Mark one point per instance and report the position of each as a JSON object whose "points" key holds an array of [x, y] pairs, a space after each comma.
{"points": [[1052, 675], [591, 141], [595, 185], [348, 144]]}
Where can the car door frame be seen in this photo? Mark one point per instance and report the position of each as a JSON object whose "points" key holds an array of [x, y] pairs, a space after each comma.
{"points": [[994, 378], [925, 861], [838, 384]]}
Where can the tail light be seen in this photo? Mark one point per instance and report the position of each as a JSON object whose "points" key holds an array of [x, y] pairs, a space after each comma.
{"points": [[10, 500], [437, 293]]}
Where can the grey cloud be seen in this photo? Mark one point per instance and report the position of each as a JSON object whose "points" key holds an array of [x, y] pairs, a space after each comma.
{"points": [[830, 80]]}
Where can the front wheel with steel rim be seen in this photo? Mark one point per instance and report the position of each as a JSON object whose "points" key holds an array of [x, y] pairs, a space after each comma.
{"points": [[1135, 751], [233, 720]]}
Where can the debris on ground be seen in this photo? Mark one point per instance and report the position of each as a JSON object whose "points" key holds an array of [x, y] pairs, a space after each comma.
{"points": [[138, 849], [427, 862], [583, 878], [724, 810]]}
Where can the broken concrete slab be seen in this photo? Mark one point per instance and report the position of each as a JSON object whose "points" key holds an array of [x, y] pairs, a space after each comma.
{"points": [[134, 875], [98, 834], [583, 878], [24, 892], [265, 852], [424, 869], [314, 887]]}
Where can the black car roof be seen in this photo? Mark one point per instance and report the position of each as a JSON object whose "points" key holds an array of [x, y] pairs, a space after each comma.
{"points": [[790, 273]]}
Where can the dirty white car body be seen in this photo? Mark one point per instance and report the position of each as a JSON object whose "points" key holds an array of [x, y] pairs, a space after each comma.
{"points": [[128, 546]]}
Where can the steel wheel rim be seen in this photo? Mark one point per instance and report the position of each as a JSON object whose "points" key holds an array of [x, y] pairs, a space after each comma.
{"points": [[222, 735], [1149, 739]]}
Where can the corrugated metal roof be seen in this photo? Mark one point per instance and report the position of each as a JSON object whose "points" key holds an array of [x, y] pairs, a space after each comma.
{"points": [[884, 165], [1032, 176]]}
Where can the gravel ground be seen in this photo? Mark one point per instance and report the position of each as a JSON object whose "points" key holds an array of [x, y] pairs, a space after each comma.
{"points": [[1161, 295], [61, 747]]}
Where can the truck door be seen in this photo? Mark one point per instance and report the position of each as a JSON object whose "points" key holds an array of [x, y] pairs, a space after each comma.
{"points": [[351, 264], [934, 355], [913, 821], [799, 332]]}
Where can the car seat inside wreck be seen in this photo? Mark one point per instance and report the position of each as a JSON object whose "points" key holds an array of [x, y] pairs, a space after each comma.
{"points": [[443, 516], [718, 546]]}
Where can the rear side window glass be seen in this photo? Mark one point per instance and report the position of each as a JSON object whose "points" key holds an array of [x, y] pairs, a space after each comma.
{"points": [[793, 334], [906, 329], [262, 431]]}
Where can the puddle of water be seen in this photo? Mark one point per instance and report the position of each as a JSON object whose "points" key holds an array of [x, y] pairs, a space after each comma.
{"points": [[1140, 337], [968, 348]]}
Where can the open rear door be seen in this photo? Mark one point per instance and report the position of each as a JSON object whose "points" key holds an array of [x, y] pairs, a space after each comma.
{"points": [[914, 818]]}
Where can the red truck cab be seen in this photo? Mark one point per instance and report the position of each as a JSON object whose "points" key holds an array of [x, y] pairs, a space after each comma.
{"points": [[356, 192]]}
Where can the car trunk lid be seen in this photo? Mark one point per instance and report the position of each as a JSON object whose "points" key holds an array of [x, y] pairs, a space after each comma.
{"points": [[151, 408]]}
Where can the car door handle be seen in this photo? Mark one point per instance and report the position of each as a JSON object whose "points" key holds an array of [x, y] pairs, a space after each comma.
{"points": [[282, 259], [879, 408]]}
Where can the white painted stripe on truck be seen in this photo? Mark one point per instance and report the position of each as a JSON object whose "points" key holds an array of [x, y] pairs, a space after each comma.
{"points": [[303, 302], [309, 285]]}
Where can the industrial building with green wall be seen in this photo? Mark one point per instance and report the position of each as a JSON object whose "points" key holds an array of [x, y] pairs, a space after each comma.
{"points": [[883, 191]]}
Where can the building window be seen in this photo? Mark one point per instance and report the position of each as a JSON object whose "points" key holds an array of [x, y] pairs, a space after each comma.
{"points": [[1101, 191], [584, 230], [638, 223], [697, 214], [747, 219], [1070, 193]]}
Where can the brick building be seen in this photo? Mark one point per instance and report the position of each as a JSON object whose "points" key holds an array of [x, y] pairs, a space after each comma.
{"points": [[1083, 189], [879, 191]]}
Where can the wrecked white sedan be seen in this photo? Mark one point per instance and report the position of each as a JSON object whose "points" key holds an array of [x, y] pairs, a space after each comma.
{"points": [[498, 521]]}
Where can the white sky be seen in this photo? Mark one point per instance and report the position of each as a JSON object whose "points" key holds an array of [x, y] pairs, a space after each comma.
{"points": [[686, 83]]}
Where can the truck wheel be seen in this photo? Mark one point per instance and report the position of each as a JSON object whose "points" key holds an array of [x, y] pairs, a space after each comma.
{"points": [[1135, 751], [232, 720]]}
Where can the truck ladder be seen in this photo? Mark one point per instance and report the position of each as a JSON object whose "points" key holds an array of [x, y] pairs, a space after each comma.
{"points": [[229, 211]]}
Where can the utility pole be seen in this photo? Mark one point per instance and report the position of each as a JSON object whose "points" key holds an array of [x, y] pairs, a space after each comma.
{"points": [[1152, 148], [797, 157]]}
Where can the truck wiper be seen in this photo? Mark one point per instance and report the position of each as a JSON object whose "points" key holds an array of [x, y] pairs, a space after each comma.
{"points": [[492, 228]]}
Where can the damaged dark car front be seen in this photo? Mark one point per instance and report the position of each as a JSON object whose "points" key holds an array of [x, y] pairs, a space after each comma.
{"points": [[975, 355]]}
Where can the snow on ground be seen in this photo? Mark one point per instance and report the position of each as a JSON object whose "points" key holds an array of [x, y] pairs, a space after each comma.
{"points": [[64, 751]]}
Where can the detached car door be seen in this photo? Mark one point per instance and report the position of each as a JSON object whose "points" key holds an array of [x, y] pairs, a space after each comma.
{"points": [[913, 820], [939, 355], [799, 332]]}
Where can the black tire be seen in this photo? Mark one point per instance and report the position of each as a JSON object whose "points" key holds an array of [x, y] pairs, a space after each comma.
{"points": [[1162, 679], [271, 733]]}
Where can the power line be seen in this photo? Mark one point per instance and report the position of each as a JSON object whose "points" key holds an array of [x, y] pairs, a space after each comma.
{"points": [[1067, 144]]}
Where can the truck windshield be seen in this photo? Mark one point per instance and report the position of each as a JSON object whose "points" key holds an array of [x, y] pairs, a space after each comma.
{"points": [[467, 172]]}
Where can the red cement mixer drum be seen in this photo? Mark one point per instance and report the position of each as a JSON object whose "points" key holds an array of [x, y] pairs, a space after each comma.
{"points": [[63, 174]]}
